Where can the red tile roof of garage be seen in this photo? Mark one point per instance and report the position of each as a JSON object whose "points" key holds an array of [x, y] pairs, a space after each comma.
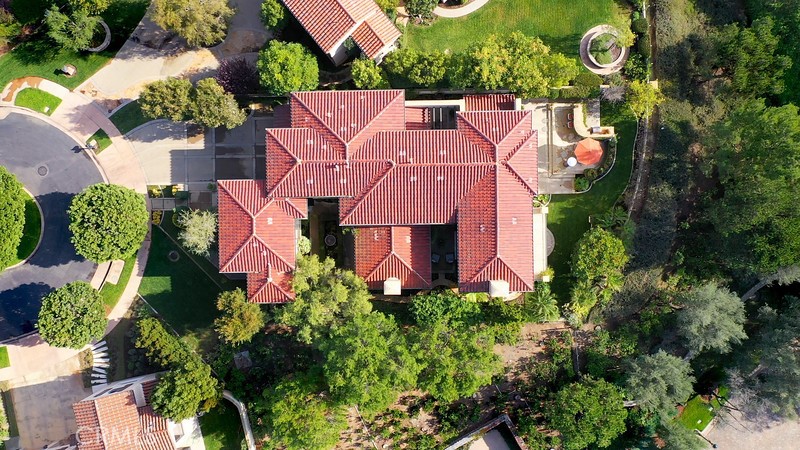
{"points": [[490, 102], [393, 181], [330, 22], [399, 252]]}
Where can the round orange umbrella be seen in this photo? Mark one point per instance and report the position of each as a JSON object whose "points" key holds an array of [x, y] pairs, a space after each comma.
{"points": [[589, 152]]}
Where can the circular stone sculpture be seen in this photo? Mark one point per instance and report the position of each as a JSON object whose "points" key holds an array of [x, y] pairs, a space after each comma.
{"points": [[613, 63], [106, 41]]}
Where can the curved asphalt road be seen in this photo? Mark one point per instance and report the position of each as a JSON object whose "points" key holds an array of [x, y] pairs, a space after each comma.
{"points": [[26, 144]]}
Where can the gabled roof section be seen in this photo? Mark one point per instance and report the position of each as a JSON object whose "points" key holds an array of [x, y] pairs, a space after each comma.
{"points": [[399, 252], [270, 286], [490, 102], [376, 33], [260, 231]]}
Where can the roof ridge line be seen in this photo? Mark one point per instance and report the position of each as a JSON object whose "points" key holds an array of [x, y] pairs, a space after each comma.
{"points": [[369, 189], [271, 250], [481, 133], [398, 95], [315, 115], [223, 269]]}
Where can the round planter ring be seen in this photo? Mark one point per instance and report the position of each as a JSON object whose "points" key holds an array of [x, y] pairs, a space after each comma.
{"points": [[106, 42], [612, 63]]}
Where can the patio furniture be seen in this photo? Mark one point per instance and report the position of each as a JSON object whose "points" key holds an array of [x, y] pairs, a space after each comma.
{"points": [[435, 257], [450, 258], [572, 161], [589, 152], [330, 240], [570, 124], [570, 116]]}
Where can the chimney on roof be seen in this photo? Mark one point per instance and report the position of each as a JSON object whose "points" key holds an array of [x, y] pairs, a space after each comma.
{"points": [[392, 286], [498, 288]]}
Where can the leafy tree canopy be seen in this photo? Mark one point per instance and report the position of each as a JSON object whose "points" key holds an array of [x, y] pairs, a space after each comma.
{"points": [[200, 23], [274, 15], [677, 436], [642, 98], [422, 9], [418, 68], [367, 75], [167, 99], [240, 320], [90, 6], [598, 256], [72, 31], [72, 315], [541, 305], [324, 296], [758, 156], [588, 413], [368, 362], [12, 216], [108, 222], [237, 76], [287, 67], [198, 230], [184, 391], [213, 107], [437, 306], [658, 382], [712, 319], [298, 418], [455, 362]]}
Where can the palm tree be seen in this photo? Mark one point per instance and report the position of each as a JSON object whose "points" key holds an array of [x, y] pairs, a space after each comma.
{"points": [[541, 304]]}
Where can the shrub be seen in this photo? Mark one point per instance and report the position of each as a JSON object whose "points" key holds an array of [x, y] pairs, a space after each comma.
{"points": [[12, 216], [237, 76], [167, 99], [643, 45], [198, 230], [108, 222], [637, 67], [639, 25], [590, 174], [200, 23], [581, 184], [422, 9], [303, 245], [9, 27], [213, 107], [367, 75], [72, 315], [274, 15], [240, 320], [287, 67]]}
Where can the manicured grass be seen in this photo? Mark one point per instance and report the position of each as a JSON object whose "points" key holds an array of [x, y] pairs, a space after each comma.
{"points": [[37, 100], [559, 23], [182, 292], [568, 217], [112, 292], [39, 57], [31, 232], [129, 117], [103, 141], [221, 427], [696, 416], [4, 361]]}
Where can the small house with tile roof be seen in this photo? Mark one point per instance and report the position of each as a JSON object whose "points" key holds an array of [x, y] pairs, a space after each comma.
{"points": [[332, 22], [431, 191], [118, 416]]}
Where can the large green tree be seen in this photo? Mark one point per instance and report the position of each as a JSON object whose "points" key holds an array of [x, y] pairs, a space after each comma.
{"points": [[108, 222], [185, 390], [324, 296], [167, 99], [514, 61], [677, 436], [757, 152], [72, 31], [12, 216], [598, 255], [297, 417], [423, 69], [642, 98], [712, 318], [240, 320], [213, 107], [367, 75], [201, 23], [587, 413], [287, 67], [72, 315], [90, 6], [274, 15], [368, 362], [455, 362], [658, 382]]}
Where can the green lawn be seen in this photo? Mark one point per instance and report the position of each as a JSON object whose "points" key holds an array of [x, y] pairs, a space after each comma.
{"points": [[696, 416], [129, 117], [39, 57], [37, 100], [31, 232], [112, 292], [568, 217], [103, 141], [4, 361], [222, 429], [559, 23], [182, 292]]}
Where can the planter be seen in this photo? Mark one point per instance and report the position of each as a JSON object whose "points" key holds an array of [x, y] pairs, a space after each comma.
{"points": [[594, 61], [106, 41]]}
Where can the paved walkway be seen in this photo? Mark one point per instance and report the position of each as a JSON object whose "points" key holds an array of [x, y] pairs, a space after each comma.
{"points": [[248, 431], [584, 51], [461, 11], [743, 435]]}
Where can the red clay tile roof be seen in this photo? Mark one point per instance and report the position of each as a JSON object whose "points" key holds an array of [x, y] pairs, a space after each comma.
{"points": [[114, 422], [399, 252], [490, 102], [330, 22], [418, 118], [358, 146]]}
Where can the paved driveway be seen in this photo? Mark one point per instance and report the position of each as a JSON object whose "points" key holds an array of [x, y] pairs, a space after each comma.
{"points": [[28, 147]]}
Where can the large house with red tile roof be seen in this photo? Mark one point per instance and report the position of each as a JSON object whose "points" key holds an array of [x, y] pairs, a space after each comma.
{"points": [[433, 192], [332, 22], [119, 417]]}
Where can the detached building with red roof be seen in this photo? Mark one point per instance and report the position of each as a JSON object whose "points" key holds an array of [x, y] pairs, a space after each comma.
{"points": [[432, 190], [332, 22], [119, 417]]}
